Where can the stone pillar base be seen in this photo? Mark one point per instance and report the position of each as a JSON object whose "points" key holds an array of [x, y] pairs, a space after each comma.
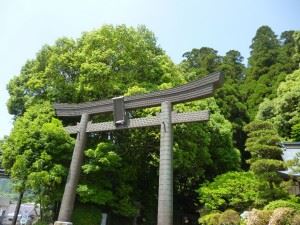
{"points": [[62, 223]]}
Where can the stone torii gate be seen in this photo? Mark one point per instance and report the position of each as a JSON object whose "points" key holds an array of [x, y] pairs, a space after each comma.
{"points": [[198, 89]]}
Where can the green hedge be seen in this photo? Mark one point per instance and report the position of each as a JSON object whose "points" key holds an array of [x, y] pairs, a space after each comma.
{"points": [[282, 204]]}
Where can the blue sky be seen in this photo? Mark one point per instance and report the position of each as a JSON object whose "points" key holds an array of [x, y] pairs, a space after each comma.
{"points": [[179, 26]]}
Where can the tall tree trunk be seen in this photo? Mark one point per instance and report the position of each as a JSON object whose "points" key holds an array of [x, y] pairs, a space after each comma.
{"points": [[17, 208]]}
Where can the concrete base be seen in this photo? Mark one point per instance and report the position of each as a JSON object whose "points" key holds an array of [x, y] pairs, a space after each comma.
{"points": [[62, 223]]}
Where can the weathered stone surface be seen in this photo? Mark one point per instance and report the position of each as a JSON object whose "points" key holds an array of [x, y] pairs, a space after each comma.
{"points": [[187, 117], [165, 190], [67, 204]]}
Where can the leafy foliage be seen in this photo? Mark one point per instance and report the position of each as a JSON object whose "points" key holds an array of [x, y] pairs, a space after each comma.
{"points": [[86, 215], [283, 110], [99, 188], [236, 190], [120, 168], [229, 98], [101, 64], [263, 145], [200, 62], [210, 219], [37, 153], [270, 60], [201, 151], [229, 217], [282, 204], [282, 216]]}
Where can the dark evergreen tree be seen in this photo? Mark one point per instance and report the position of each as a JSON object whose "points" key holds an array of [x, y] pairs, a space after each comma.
{"points": [[269, 62], [264, 52], [262, 71], [229, 97], [231, 101], [288, 49]]}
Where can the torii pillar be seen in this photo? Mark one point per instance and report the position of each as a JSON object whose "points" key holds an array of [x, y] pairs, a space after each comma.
{"points": [[165, 190]]}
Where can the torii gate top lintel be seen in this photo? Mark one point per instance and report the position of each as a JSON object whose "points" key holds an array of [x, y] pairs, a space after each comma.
{"points": [[197, 89]]}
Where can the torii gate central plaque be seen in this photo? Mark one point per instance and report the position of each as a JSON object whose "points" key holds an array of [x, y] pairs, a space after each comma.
{"points": [[198, 89]]}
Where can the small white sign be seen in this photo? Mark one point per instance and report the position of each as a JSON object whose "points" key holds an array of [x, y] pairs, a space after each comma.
{"points": [[23, 221]]}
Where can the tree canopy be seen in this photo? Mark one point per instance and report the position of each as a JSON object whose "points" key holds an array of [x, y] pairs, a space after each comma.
{"points": [[120, 171], [36, 155], [235, 190], [284, 109], [100, 64]]}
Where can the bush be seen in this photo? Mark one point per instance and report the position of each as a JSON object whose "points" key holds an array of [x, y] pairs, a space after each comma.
{"points": [[259, 217], [235, 190], [296, 220], [229, 217], [282, 216], [282, 204], [210, 219]]}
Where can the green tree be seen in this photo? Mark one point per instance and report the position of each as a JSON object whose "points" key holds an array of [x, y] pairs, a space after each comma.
{"points": [[36, 154], [295, 134], [296, 56], [231, 100], [263, 71], [263, 145], [287, 56], [201, 152], [101, 64], [232, 190], [283, 111], [264, 52], [107, 181], [118, 60], [229, 97], [270, 60], [200, 62]]}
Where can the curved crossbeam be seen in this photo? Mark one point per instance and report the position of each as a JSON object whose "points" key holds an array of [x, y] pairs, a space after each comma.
{"points": [[198, 89]]}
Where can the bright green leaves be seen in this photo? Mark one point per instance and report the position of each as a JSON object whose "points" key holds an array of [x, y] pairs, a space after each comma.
{"points": [[36, 152], [284, 110], [101, 64], [296, 56], [95, 194], [236, 190], [295, 134], [267, 169], [101, 159], [105, 183]]}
